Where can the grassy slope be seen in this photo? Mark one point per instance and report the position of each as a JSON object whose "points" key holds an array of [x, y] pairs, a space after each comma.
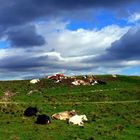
{"points": [[120, 121]]}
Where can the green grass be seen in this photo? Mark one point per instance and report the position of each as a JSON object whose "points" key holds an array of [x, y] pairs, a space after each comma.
{"points": [[106, 121]]}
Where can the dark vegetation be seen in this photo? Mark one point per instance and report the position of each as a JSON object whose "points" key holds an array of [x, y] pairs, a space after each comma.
{"points": [[112, 109]]}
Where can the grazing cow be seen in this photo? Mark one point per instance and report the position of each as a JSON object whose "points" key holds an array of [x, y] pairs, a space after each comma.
{"points": [[30, 111], [64, 115], [101, 82], [34, 81], [43, 119], [78, 120]]}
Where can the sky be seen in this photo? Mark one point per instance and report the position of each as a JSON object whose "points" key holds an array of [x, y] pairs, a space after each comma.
{"points": [[45, 37]]}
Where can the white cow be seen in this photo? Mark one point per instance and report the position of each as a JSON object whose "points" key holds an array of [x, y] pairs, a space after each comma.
{"points": [[78, 120], [34, 81], [75, 82], [114, 75]]}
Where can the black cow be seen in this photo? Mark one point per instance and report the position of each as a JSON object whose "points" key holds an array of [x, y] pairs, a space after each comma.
{"points": [[30, 111], [43, 119]]}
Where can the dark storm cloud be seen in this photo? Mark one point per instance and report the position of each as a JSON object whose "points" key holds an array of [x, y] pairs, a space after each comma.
{"points": [[25, 37], [27, 62], [126, 48], [71, 4], [18, 12], [22, 63]]}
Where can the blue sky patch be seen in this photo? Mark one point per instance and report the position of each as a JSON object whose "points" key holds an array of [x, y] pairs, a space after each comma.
{"points": [[4, 44]]}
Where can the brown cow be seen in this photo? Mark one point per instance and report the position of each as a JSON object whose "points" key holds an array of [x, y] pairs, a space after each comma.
{"points": [[78, 82], [64, 115], [57, 77]]}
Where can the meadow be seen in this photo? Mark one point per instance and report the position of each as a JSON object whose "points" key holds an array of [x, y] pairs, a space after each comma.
{"points": [[113, 110]]}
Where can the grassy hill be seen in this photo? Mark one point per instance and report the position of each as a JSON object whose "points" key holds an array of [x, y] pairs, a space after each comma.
{"points": [[113, 110]]}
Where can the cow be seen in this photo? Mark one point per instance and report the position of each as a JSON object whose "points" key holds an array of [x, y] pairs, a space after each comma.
{"points": [[30, 111], [57, 77], [85, 76], [34, 81], [64, 115], [78, 82], [75, 82], [60, 75], [114, 75], [43, 119], [78, 120], [90, 78], [93, 83], [53, 77]]}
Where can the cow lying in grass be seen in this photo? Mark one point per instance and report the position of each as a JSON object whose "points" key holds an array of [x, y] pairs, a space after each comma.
{"points": [[71, 117], [114, 75], [43, 119], [88, 81], [57, 77], [30, 111], [64, 115], [78, 82], [34, 81], [78, 120]]}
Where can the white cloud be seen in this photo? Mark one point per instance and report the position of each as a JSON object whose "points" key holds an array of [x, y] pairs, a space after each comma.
{"points": [[81, 41], [131, 63], [134, 18], [67, 50]]}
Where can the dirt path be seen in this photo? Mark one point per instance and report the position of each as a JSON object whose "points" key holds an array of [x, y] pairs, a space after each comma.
{"points": [[98, 90]]}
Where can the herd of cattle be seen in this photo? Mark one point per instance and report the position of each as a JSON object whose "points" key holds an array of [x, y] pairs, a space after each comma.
{"points": [[86, 79], [70, 116]]}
